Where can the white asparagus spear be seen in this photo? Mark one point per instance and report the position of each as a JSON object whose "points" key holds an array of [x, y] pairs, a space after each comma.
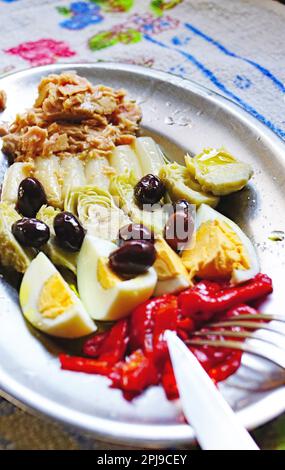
{"points": [[124, 159], [13, 177], [96, 172], [149, 155], [47, 171], [72, 174]]}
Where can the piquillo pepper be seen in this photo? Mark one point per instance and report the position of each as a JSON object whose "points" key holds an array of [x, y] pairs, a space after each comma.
{"points": [[168, 382], [202, 302], [136, 373], [148, 323], [227, 366], [109, 346], [115, 344], [92, 346], [134, 354], [84, 364], [241, 309]]}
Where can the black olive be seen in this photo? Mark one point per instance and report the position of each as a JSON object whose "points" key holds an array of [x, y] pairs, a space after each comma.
{"points": [[69, 231], [132, 258], [149, 190], [31, 197], [135, 232], [31, 232], [179, 229], [181, 205]]}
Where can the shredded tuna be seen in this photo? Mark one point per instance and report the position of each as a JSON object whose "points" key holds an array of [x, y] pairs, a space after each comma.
{"points": [[4, 128], [3, 100], [71, 116]]}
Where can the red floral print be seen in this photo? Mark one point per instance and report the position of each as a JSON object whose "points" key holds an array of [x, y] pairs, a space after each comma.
{"points": [[42, 52]]}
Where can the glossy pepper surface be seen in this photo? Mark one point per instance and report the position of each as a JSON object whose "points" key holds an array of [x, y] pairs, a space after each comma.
{"points": [[207, 298], [134, 354]]}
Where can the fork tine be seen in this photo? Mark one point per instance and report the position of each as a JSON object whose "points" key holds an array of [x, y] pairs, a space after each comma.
{"points": [[255, 346], [257, 316], [233, 334], [241, 334], [248, 324], [217, 343]]}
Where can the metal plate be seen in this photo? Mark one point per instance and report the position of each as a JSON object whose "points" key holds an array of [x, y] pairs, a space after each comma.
{"points": [[182, 116]]}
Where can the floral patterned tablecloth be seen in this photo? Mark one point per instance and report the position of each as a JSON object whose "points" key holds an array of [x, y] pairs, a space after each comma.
{"points": [[235, 47]]}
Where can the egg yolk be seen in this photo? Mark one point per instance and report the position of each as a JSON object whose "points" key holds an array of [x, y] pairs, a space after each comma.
{"points": [[217, 252], [54, 298], [105, 275], [167, 264]]}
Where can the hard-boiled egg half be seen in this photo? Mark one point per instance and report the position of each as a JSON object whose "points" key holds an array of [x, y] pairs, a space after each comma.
{"points": [[49, 304], [172, 276], [221, 249], [104, 294]]}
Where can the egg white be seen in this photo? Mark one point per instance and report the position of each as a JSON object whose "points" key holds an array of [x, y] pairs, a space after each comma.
{"points": [[72, 323], [117, 301], [171, 286]]}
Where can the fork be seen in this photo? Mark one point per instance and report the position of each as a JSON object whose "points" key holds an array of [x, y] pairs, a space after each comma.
{"points": [[271, 346]]}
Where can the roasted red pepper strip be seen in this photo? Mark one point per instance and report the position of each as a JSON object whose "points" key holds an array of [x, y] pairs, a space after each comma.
{"points": [[226, 368], [210, 356], [168, 382], [239, 310], [210, 287], [203, 304], [92, 346], [218, 363], [149, 321], [109, 346], [84, 364], [186, 324], [135, 374], [114, 346], [165, 318], [149, 362], [141, 327]]}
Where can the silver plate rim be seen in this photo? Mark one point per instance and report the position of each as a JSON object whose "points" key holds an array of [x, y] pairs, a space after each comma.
{"points": [[253, 415]]}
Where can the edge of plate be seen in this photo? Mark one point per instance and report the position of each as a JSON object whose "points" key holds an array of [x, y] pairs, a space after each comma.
{"points": [[141, 434]]}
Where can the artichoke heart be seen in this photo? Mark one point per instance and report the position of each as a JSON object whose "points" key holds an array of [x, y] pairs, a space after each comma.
{"points": [[180, 184], [122, 188], [97, 211], [218, 172], [12, 254], [57, 255]]}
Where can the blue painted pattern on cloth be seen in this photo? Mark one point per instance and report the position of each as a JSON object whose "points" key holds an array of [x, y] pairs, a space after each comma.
{"points": [[213, 78], [242, 59], [267, 73], [242, 82]]}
